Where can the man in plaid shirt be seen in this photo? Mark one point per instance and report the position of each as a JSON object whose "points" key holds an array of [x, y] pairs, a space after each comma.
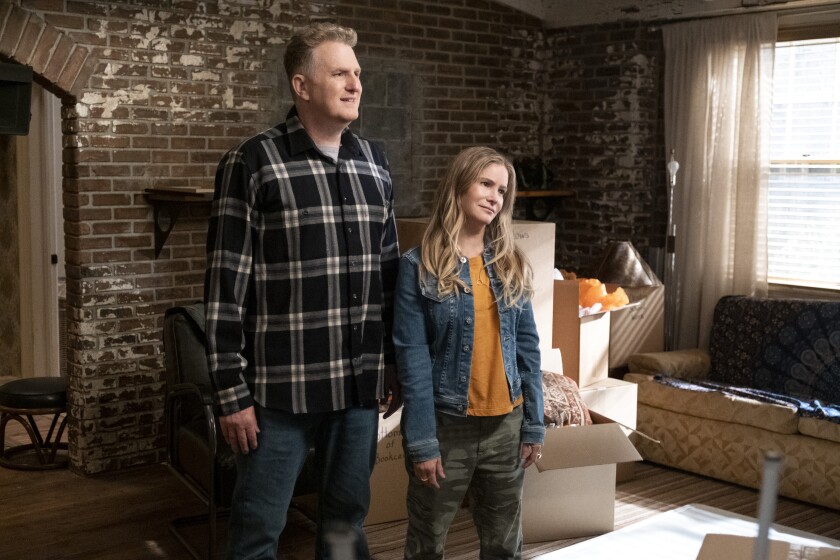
{"points": [[301, 265]]}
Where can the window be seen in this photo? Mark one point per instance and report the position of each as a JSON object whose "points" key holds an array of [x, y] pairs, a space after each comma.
{"points": [[804, 183]]}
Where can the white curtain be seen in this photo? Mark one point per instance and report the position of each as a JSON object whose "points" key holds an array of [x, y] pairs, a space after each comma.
{"points": [[718, 83]]}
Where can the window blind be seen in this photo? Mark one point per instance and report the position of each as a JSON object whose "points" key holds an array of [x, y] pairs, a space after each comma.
{"points": [[804, 183]]}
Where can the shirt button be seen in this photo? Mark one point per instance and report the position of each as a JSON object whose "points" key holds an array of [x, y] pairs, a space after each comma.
{"points": [[355, 327], [355, 296], [466, 348], [350, 230], [469, 320], [466, 290], [463, 259], [463, 378]]}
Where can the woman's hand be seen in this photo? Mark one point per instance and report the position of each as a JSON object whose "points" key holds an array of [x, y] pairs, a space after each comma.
{"points": [[530, 453], [428, 472]]}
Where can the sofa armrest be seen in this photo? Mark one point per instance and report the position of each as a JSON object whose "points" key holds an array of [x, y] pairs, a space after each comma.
{"points": [[685, 364]]}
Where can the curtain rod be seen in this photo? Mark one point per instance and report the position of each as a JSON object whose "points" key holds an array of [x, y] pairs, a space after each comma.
{"points": [[813, 8]]}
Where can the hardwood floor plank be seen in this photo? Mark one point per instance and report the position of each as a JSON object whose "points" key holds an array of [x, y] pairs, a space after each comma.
{"points": [[57, 515]]}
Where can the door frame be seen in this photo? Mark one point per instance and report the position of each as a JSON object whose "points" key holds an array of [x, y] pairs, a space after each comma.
{"points": [[40, 234]]}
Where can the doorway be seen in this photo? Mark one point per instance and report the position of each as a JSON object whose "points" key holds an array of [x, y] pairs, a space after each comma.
{"points": [[41, 240]]}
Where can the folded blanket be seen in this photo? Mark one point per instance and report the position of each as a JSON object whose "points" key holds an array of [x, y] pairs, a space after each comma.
{"points": [[807, 408]]}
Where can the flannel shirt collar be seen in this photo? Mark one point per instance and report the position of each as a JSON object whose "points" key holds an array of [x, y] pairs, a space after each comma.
{"points": [[300, 141]]}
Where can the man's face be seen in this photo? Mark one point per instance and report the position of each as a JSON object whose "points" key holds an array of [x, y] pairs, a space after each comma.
{"points": [[333, 89]]}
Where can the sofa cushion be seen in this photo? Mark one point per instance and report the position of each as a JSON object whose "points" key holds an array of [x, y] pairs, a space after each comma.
{"points": [[717, 406], [685, 364], [821, 429], [784, 346]]}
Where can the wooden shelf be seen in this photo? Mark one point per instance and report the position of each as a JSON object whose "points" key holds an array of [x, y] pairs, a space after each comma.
{"points": [[167, 203], [548, 193], [180, 194], [532, 196]]}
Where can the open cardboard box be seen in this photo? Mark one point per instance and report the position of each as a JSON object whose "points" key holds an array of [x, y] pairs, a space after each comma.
{"points": [[570, 492], [593, 344], [617, 400], [584, 342], [389, 481], [638, 327], [736, 547]]}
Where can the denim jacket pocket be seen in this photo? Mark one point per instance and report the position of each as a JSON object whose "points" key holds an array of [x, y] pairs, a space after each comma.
{"points": [[440, 311]]}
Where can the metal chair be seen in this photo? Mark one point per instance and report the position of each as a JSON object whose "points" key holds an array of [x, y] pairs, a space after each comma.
{"points": [[196, 452]]}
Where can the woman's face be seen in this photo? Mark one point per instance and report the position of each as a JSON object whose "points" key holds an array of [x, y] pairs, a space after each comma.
{"points": [[483, 200]]}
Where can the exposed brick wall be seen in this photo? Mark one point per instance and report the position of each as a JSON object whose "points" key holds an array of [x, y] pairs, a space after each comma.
{"points": [[162, 88], [474, 63], [605, 137]]}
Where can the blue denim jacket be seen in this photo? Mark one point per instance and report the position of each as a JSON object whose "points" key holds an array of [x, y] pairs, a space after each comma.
{"points": [[433, 339]]}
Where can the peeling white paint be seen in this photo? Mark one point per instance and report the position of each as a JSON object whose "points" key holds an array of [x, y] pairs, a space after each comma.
{"points": [[110, 68], [227, 97], [191, 60], [109, 102], [161, 44], [239, 28], [235, 54], [102, 32], [207, 75]]}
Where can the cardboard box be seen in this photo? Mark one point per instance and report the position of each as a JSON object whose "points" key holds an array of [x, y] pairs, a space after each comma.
{"points": [[617, 400], [584, 342], [639, 327], [570, 492], [737, 547], [536, 241], [613, 398], [389, 482]]}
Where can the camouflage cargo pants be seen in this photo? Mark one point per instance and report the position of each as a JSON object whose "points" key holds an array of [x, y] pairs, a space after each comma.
{"points": [[481, 456]]}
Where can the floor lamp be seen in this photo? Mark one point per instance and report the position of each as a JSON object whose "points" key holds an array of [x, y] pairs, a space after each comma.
{"points": [[670, 261]]}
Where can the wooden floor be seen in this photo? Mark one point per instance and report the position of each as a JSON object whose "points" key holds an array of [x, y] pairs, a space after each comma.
{"points": [[56, 515]]}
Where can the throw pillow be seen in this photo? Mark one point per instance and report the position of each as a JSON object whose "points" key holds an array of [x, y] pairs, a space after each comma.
{"points": [[562, 403]]}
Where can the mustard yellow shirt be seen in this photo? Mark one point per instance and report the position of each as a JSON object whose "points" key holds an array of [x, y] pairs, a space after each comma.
{"points": [[488, 393]]}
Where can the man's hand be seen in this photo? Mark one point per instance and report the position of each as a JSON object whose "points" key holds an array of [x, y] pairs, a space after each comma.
{"points": [[392, 388], [240, 430], [428, 472]]}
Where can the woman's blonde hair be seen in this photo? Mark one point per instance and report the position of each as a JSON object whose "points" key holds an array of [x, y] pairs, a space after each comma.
{"points": [[439, 249]]}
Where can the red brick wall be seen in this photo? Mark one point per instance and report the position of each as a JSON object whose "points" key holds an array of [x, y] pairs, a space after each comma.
{"points": [[606, 138], [155, 94]]}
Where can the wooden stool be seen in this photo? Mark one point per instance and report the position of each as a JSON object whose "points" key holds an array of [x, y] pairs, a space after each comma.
{"points": [[25, 398]]}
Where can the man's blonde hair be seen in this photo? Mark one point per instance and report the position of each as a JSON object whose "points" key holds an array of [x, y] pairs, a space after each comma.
{"points": [[298, 57], [439, 249]]}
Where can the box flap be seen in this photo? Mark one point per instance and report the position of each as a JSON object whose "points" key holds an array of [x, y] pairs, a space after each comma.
{"points": [[583, 446], [735, 547]]}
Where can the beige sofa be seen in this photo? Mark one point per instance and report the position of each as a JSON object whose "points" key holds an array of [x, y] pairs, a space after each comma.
{"points": [[722, 429]]}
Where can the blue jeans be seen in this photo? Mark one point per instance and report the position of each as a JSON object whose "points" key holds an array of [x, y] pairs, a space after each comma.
{"points": [[345, 453]]}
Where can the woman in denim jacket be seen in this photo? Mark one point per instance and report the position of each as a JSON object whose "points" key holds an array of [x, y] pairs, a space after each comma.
{"points": [[468, 361]]}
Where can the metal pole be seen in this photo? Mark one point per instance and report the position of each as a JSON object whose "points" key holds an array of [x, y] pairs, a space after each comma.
{"points": [[670, 258], [767, 503]]}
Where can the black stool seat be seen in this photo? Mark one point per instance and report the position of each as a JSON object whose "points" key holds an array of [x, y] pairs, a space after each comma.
{"points": [[35, 392], [24, 398]]}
